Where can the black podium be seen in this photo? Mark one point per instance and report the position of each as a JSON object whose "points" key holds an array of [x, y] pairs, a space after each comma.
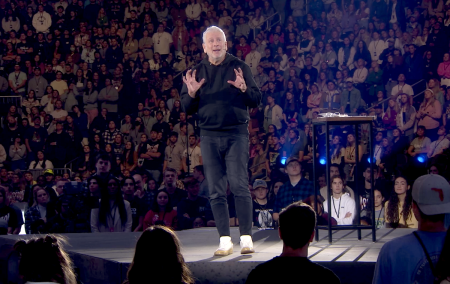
{"points": [[355, 121]]}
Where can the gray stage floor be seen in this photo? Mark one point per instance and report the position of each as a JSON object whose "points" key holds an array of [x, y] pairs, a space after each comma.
{"points": [[104, 258]]}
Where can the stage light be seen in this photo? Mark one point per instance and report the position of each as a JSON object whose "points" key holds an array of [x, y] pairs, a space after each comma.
{"points": [[368, 160], [421, 159], [322, 161], [283, 160]]}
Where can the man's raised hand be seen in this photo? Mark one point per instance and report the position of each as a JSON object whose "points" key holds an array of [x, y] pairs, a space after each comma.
{"points": [[239, 82], [192, 85]]}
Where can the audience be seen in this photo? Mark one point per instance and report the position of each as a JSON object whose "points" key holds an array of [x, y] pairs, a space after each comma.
{"points": [[95, 94]]}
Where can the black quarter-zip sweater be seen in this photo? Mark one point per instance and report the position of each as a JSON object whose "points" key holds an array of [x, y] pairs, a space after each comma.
{"points": [[222, 108]]}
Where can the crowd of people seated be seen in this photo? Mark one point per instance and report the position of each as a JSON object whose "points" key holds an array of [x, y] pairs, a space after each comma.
{"points": [[97, 88]]}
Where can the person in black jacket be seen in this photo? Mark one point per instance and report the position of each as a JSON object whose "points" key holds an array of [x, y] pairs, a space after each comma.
{"points": [[221, 89], [296, 230]]}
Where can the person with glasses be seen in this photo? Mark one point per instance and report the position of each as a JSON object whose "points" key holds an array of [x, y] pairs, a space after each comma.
{"points": [[114, 214]]}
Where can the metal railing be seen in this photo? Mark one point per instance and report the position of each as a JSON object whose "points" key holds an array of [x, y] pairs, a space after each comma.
{"points": [[11, 100], [57, 171], [389, 96], [267, 23], [69, 164]]}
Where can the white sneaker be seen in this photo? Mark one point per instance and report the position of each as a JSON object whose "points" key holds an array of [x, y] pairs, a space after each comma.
{"points": [[246, 244], [225, 247]]}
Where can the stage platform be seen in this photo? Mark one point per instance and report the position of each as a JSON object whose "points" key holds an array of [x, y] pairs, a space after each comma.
{"points": [[104, 258]]}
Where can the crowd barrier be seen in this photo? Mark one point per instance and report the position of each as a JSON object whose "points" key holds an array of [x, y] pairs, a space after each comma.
{"points": [[58, 171]]}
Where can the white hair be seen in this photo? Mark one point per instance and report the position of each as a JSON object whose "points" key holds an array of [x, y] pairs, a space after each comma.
{"points": [[213, 28]]}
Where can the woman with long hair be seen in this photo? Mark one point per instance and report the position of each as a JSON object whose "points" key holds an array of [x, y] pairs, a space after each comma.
{"points": [[169, 267], [86, 160], [175, 113], [161, 212], [390, 116], [398, 208], [290, 109], [162, 108], [130, 45], [102, 18], [429, 114], [18, 154], [54, 264], [362, 52], [302, 98], [29, 102], [40, 163], [129, 157], [313, 102], [337, 150], [350, 156], [90, 99], [96, 144], [342, 205], [114, 214], [36, 216]]}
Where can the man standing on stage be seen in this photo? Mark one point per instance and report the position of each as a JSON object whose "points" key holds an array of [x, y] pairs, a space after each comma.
{"points": [[221, 89]]}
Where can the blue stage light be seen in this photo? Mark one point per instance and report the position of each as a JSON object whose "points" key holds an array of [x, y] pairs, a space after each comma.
{"points": [[368, 160], [283, 160], [322, 161], [421, 159]]}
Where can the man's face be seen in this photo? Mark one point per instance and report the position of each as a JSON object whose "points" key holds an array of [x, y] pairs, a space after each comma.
{"points": [[293, 168], [367, 176], [138, 185], [192, 140], [292, 134], [322, 182], [60, 187], [334, 171], [103, 166], [173, 139], [215, 45], [128, 187], [170, 178], [261, 192], [379, 136], [194, 189], [183, 116], [153, 135], [411, 49]]}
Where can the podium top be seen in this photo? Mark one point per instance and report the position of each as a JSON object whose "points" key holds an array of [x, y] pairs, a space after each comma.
{"points": [[362, 119]]}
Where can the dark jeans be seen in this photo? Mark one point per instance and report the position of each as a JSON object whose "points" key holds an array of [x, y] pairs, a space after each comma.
{"points": [[226, 158]]}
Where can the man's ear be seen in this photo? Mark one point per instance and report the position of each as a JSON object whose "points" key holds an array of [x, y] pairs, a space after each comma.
{"points": [[279, 233], [204, 47]]}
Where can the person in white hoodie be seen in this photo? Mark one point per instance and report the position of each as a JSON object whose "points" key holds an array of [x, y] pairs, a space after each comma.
{"points": [[193, 11], [42, 20], [342, 205]]}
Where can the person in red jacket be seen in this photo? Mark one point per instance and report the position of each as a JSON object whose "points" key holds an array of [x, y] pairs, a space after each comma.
{"points": [[161, 213]]}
